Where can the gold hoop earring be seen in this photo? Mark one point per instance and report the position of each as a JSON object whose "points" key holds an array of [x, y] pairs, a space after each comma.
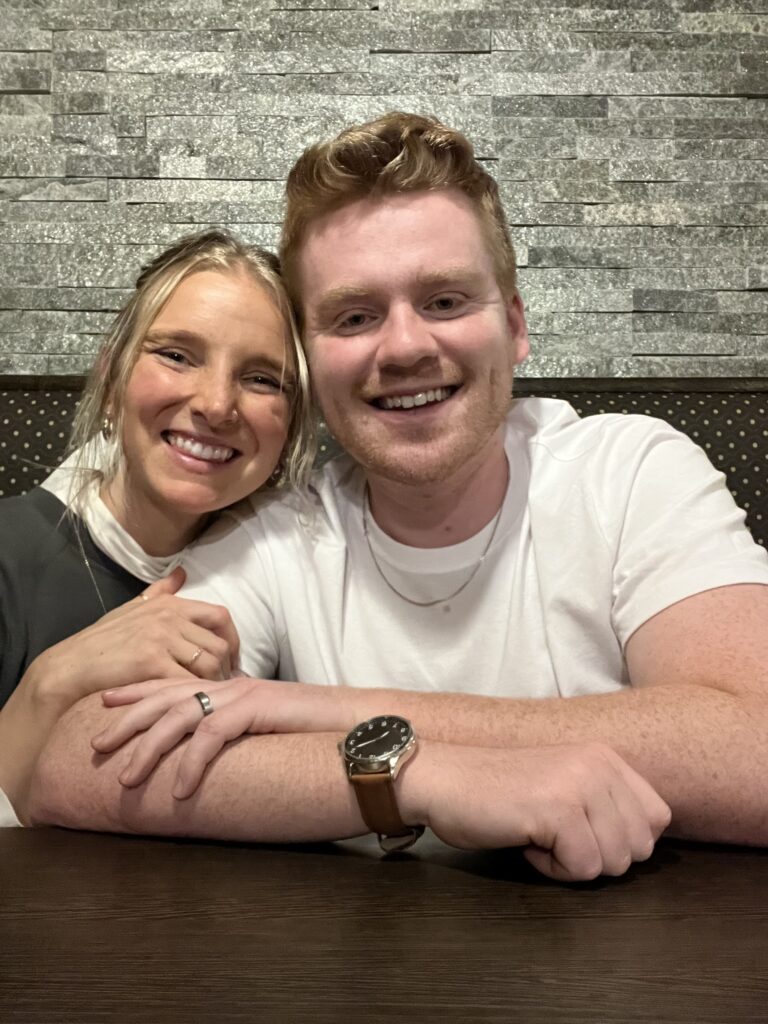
{"points": [[276, 476], [107, 427]]}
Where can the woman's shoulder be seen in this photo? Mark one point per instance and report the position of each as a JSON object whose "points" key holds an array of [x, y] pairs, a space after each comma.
{"points": [[30, 524], [37, 507]]}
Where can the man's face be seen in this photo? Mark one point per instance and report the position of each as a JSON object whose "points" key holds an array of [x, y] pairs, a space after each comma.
{"points": [[411, 345]]}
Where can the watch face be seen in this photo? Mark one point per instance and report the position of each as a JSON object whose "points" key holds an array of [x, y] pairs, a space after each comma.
{"points": [[378, 739]]}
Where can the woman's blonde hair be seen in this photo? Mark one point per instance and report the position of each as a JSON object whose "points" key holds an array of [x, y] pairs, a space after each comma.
{"points": [[104, 393], [396, 153]]}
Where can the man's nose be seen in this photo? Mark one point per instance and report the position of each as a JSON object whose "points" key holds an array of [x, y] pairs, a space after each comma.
{"points": [[406, 338]]}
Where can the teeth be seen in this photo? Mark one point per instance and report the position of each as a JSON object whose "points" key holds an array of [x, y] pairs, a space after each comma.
{"points": [[208, 452], [409, 401]]}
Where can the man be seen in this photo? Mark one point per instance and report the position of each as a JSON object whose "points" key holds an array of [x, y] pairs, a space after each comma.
{"points": [[466, 568]]}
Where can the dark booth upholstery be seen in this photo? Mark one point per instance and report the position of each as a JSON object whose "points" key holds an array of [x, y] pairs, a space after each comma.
{"points": [[728, 418]]}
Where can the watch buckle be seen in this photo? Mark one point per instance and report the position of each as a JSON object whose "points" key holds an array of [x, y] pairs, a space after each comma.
{"points": [[397, 844]]}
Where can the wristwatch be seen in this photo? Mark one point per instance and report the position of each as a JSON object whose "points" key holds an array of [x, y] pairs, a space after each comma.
{"points": [[374, 752]]}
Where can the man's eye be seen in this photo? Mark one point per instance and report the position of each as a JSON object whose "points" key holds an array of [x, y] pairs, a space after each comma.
{"points": [[352, 322], [446, 304]]}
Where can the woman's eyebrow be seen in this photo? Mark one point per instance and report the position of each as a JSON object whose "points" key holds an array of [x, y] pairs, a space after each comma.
{"points": [[256, 361], [173, 335]]}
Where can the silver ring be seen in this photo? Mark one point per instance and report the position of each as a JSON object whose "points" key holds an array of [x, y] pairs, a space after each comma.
{"points": [[205, 703]]}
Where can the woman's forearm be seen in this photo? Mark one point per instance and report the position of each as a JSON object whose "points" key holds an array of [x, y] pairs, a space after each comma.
{"points": [[26, 721]]}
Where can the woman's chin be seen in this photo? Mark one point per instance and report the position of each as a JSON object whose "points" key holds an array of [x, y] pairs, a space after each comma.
{"points": [[197, 500]]}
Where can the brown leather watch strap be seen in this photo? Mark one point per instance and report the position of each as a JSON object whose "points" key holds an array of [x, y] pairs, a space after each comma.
{"points": [[378, 804]]}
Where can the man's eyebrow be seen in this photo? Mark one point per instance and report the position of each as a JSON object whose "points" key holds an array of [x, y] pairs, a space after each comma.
{"points": [[331, 300], [453, 275]]}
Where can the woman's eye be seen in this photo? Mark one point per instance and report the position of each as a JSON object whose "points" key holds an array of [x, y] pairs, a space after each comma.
{"points": [[263, 382], [172, 355]]}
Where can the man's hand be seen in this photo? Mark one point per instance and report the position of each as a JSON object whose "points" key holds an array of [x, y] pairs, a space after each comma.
{"points": [[169, 712], [580, 811]]}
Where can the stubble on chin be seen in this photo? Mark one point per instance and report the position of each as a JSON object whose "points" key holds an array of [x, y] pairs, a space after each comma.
{"points": [[432, 455], [426, 461]]}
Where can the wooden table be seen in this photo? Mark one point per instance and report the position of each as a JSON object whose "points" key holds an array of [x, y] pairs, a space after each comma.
{"points": [[97, 929]]}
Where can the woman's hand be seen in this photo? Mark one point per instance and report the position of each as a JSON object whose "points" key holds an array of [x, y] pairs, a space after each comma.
{"points": [[168, 713], [156, 635]]}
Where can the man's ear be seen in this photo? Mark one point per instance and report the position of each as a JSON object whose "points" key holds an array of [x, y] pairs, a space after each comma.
{"points": [[518, 328]]}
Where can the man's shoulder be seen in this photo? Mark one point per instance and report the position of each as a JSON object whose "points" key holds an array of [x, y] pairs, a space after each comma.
{"points": [[555, 427], [274, 517]]}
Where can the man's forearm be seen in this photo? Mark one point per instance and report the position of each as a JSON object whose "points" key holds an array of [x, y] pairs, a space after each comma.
{"points": [[288, 788], [701, 748], [577, 811]]}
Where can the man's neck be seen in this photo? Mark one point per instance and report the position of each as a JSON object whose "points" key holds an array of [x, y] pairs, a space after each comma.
{"points": [[449, 512]]}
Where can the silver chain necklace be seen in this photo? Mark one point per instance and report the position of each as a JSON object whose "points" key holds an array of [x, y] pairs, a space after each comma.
{"points": [[440, 600], [87, 565]]}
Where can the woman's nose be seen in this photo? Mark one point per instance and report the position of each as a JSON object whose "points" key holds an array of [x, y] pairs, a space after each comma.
{"points": [[216, 400]]}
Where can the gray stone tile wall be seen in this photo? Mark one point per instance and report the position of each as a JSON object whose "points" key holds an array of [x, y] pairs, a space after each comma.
{"points": [[630, 141]]}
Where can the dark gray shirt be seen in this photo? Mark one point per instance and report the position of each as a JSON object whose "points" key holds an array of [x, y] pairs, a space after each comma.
{"points": [[46, 591]]}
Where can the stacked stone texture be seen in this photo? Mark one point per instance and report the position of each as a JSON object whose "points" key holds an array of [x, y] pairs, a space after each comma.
{"points": [[629, 141]]}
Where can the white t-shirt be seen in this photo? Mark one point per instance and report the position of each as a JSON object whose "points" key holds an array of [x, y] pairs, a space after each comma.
{"points": [[606, 521], [8, 817]]}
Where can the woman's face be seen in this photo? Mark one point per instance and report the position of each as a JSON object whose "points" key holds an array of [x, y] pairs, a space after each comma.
{"points": [[206, 408]]}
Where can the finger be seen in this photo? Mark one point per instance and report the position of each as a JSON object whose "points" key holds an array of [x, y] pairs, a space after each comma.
{"points": [[655, 809], [133, 692], [140, 716], [571, 853], [615, 817], [233, 718], [639, 833], [182, 718], [213, 660], [195, 659], [547, 864], [169, 584], [217, 619], [203, 746]]}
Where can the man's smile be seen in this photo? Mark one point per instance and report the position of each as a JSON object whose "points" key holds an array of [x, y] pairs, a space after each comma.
{"points": [[429, 396]]}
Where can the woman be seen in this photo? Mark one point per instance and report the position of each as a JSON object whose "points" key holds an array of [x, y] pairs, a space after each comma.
{"points": [[198, 398]]}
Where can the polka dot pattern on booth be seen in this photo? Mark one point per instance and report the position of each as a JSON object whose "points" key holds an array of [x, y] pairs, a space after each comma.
{"points": [[732, 427], [34, 428]]}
